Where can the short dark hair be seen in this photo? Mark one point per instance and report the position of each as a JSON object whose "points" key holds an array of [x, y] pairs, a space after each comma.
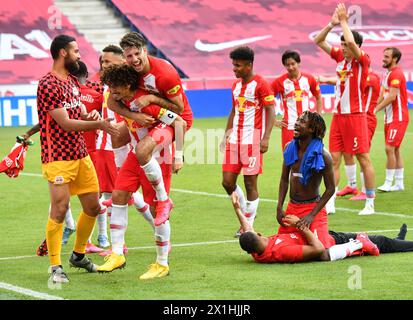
{"points": [[395, 53], [82, 71], [60, 42], [132, 39], [290, 54], [242, 53], [358, 38], [114, 49], [317, 123], [121, 75], [249, 241]]}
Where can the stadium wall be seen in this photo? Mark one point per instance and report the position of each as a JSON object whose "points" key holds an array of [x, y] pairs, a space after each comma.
{"points": [[18, 103]]}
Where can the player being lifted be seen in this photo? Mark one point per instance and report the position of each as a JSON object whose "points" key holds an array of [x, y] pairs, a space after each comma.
{"points": [[248, 131]]}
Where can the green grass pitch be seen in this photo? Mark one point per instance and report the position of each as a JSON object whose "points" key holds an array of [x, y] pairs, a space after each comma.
{"points": [[206, 261]]}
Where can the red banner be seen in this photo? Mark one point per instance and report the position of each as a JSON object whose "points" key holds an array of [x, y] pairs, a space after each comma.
{"points": [[26, 30]]}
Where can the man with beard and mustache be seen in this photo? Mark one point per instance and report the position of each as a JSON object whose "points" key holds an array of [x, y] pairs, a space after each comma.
{"points": [[65, 162], [393, 98]]}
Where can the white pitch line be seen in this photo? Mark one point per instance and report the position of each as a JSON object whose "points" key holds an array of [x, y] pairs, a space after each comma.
{"points": [[216, 195], [28, 292]]}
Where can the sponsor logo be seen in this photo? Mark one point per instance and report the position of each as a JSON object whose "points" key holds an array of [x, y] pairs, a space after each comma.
{"points": [[75, 91], [174, 89], [269, 98], [211, 47], [374, 36], [73, 104]]}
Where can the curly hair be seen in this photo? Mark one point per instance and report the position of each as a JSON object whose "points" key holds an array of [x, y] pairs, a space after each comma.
{"points": [[249, 241], [132, 39], [242, 53], [121, 76], [317, 123]]}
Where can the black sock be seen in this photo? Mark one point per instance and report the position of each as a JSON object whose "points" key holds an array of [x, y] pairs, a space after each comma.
{"points": [[402, 232], [78, 256]]}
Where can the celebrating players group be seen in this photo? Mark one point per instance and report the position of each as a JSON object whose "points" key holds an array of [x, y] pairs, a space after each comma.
{"points": [[105, 137]]}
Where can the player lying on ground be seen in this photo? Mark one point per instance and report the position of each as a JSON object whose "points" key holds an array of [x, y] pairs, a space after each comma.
{"points": [[303, 245]]}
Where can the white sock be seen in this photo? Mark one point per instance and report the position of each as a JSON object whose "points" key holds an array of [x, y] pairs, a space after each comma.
{"points": [[102, 217], [389, 176], [118, 225], [341, 251], [90, 237], [154, 174], [399, 176], [120, 155], [241, 198], [251, 210], [69, 221], [363, 186], [351, 173], [162, 239], [143, 208]]}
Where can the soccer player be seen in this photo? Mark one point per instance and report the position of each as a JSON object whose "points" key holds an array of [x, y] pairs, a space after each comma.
{"points": [[162, 86], [248, 131], [65, 163], [123, 82], [348, 133], [306, 163], [371, 95], [394, 99], [303, 245], [295, 88]]}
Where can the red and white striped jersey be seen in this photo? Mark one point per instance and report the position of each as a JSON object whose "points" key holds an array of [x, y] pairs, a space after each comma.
{"points": [[372, 92], [351, 82], [104, 140], [398, 110], [295, 95], [248, 101]]}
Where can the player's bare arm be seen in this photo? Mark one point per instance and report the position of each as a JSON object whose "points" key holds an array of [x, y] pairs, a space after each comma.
{"points": [[269, 123], [118, 107], [228, 129], [328, 177], [348, 35], [33, 130], [326, 79], [391, 96], [245, 226], [282, 192], [320, 39], [62, 118]]}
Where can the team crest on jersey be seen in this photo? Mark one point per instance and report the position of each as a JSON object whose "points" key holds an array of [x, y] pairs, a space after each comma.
{"points": [[293, 236], [59, 180], [75, 91]]}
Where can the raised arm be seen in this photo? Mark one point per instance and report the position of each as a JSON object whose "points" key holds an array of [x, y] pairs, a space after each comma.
{"points": [[320, 39], [342, 15], [245, 226]]}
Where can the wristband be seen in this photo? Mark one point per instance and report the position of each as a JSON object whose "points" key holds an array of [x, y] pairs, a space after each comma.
{"points": [[179, 155], [330, 25]]}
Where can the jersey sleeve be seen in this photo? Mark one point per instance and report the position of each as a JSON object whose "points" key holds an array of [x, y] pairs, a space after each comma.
{"points": [[291, 253], [336, 54], [170, 83], [276, 87], [314, 86], [265, 94], [49, 96], [394, 80]]}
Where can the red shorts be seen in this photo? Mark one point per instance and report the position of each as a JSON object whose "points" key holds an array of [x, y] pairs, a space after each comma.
{"points": [[286, 136], [319, 226], [242, 156], [105, 169], [349, 134], [394, 133], [131, 177], [371, 126]]}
